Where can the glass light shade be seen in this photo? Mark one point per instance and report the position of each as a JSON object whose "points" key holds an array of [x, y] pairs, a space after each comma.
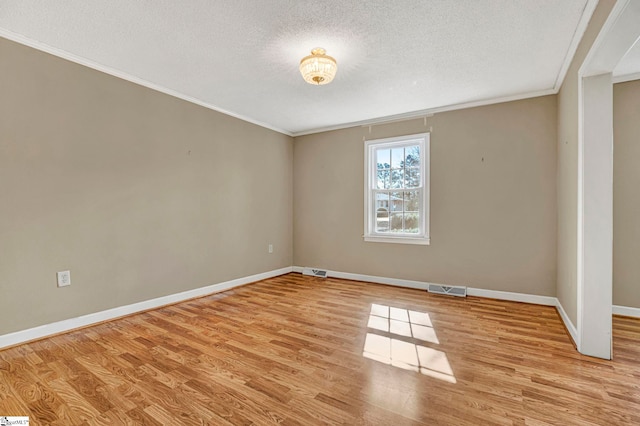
{"points": [[318, 68]]}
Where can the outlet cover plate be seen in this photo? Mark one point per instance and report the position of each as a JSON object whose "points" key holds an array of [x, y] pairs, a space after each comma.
{"points": [[64, 278]]}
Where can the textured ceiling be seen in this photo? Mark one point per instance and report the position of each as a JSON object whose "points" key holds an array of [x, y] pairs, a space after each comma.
{"points": [[397, 58]]}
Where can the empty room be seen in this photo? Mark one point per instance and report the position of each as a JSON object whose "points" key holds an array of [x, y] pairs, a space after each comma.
{"points": [[320, 213]]}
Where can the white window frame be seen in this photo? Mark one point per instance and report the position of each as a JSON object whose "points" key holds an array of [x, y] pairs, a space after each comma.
{"points": [[370, 173]]}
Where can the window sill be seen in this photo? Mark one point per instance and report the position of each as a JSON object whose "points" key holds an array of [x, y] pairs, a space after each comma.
{"points": [[397, 240]]}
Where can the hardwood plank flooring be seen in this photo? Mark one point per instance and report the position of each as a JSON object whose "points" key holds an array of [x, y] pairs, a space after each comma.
{"points": [[298, 350]]}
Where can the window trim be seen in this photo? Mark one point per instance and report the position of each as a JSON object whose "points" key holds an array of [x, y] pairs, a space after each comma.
{"points": [[422, 139]]}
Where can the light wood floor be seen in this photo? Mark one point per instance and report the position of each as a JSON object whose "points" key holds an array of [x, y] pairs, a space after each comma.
{"points": [[300, 350]]}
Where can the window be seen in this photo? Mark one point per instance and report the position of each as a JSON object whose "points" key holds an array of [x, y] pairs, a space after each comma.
{"points": [[397, 190]]}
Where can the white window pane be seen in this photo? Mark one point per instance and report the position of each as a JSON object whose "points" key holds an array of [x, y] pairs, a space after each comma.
{"points": [[382, 179], [382, 201], [412, 177], [412, 201], [397, 158], [396, 222], [412, 156], [412, 223], [383, 158], [396, 201], [382, 222], [397, 178], [382, 212]]}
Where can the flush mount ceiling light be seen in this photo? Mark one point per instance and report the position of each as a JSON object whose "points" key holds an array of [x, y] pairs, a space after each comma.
{"points": [[318, 68]]}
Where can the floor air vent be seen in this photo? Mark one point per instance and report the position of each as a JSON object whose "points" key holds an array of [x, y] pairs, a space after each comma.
{"points": [[450, 290], [322, 273]]}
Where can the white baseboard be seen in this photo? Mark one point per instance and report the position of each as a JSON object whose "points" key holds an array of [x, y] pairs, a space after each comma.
{"points": [[626, 311], [422, 285], [514, 297], [567, 322], [23, 336], [380, 280]]}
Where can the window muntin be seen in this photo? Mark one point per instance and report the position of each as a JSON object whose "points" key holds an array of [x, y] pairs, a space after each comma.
{"points": [[396, 191]]}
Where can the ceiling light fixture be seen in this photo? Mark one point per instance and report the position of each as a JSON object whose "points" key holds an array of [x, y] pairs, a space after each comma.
{"points": [[318, 68]]}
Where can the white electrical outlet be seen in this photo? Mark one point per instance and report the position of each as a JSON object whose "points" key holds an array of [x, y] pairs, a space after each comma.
{"points": [[270, 248], [64, 278]]}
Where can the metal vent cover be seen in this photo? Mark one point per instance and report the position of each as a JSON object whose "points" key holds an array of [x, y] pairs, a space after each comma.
{"points": [[459, 291], [322, 273]]}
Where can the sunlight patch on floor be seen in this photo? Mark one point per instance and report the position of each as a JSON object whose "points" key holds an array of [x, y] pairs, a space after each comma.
{"points": [[390, 344]]}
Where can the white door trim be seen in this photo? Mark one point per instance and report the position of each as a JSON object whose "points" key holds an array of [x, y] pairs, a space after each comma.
{"points": [[595, 177]]}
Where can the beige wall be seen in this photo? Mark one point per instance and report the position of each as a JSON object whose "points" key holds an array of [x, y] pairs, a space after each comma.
{"points": [[568, 167], [142, 195], [626, 197], [493, 200], [138, 193]]}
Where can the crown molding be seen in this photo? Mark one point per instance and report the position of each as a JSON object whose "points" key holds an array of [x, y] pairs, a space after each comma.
{"points": [[427, 112], [626, 77], [587, 13], [10, 35]]}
